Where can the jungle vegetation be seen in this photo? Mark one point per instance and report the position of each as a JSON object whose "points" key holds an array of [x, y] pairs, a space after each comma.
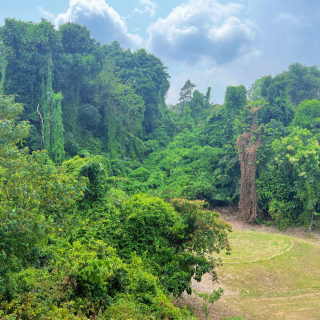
{"points": [[106, 192]]}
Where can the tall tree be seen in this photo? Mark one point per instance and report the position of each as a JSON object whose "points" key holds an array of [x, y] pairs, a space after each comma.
{"points": [[186, 93], [248, 143], [53, 129], [254, 92], [30, 187], [308, 116], [147, 75], [304, 83], [275, 91], [235, 100]]}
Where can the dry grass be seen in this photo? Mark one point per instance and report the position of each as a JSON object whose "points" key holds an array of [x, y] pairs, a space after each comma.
{"points": [[268, 276]]}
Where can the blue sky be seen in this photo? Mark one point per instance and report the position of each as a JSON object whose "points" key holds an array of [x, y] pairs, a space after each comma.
{"points": [[211, 42]]}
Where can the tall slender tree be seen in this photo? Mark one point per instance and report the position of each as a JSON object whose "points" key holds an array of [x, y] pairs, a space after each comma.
{"points": [[52, 119]]}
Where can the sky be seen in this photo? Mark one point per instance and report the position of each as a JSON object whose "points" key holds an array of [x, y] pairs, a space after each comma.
{"points": [[213, 43]]}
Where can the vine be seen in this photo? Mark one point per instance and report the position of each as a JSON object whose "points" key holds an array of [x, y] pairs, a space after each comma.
{"points": [[248, 144], [52, 120]]}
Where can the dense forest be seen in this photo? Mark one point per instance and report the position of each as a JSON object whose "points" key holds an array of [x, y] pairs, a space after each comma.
{"points": [[106, 192]]}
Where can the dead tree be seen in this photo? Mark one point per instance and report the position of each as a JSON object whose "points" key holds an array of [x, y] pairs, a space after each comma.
{"points": [[248, 144], [42, 134]]}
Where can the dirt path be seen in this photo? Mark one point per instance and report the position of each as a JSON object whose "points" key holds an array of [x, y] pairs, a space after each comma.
{"points": [[238, 223]]}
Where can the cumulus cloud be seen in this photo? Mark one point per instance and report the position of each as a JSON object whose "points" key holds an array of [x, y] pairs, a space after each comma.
{"points": [[104, 22], [148, 7], [202, 28]]}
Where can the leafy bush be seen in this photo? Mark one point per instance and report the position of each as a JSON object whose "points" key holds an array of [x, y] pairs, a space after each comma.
{"points": [[290, 186], [172, 239], [82, 281], [96, 178]]}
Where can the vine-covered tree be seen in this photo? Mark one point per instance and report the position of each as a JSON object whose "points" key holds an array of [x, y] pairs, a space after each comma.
{"points": [[148, 77]]}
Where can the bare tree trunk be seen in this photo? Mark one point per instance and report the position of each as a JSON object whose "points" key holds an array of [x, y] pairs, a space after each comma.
{"points": [[311, 222], [42, 134]]}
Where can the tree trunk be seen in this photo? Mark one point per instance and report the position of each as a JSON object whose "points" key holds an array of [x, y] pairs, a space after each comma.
{"points": [[311, 222]]}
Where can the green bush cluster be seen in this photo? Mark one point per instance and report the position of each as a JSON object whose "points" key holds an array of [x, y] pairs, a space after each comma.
{"points": [[73, 247]]}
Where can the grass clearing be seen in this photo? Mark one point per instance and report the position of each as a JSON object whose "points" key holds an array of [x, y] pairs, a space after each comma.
{"points": [[274, 276]]}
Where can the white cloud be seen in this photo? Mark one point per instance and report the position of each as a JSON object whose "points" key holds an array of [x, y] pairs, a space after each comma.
{"points": [[104, 22], [231, 26], [149, 7], [46, 14], [202, 28], [293, 20]]}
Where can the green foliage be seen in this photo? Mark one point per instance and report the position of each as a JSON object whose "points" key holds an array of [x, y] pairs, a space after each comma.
{"points": [[44, 275], [148, 77], [308, 115], [141, 174], [150, 225], [185, 169], [76, 39], [62, 288], [219, 128], [95, 188], [209, 298], [70, 145], [304, 84], [200, 105], [186, 93], [272, 183], [31, 189], [290, 185], [235, 100], [254, 92], [27, 47], [275, 92], [89, 116], [123, 113], [172, 239], [78, 240], [98, 112], [52, 126]]}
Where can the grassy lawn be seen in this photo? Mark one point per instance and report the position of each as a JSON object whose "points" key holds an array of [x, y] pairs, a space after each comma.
{"points": [[272, 276]]}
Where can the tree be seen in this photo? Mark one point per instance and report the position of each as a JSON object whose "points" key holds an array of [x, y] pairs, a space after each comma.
{"points": [[200, 105], [27, 48], [2, 59], [147, 75], [308, 115], [304, 83], [275, 91], [173, 239], [96, 177], [121, 126], [76, 39], [254, 92], [31, 188], [186, 93], [52, 126], [298, 155], [248, 143], [235, 100]]}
